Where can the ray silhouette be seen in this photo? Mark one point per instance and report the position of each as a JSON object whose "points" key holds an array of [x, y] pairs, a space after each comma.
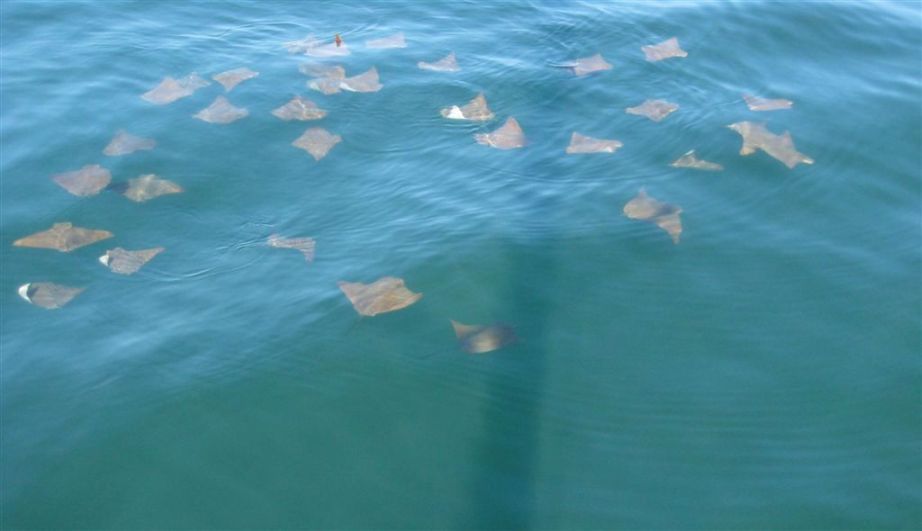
{"points": [[305, 245], [664, 215], [664, 50], [508, 136], [170, 90], [364, 82], [221, 112], [396, 40], [299, 109], [586, 144], [328, 78], [689, 160], [48, 295], [232, 78], [147, 187], [314, 48], [127, 262], [317, 141], [480, 339], [63, 237], [88, 180], [764, 104], [656, 110], [387, 294], [587, 65], [124, 143], [476, 110], [449, 63], [757, 136]]}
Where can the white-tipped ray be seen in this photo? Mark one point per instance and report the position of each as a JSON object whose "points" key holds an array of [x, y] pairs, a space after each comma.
{"points": [[476, 110], [127, 262], [48, 295], [508, 136]]}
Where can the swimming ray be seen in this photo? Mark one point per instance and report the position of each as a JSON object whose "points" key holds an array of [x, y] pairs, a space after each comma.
{"points": [[476, 110], [664, 50], [664, 215], [655, 110], [301, 45], [508, 136], [232, 78], [387, 294], [764, 104], [588, 65], [313, 48], [147, 187], [480, 339], [221, 112], [396, 40], [63, 237], [332, 71], [127, 262], [689, 160], [317, 141], [170, 90], [305, 245], [124, 143], [328, 78], [299, 109], [364, 82], [88, 180], [586, 144], [449, 63], [48, 295], [757, 136]]}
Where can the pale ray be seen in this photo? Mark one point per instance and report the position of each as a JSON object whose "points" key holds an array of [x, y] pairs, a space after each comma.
{"points": [[387, 294], [124, 143], [88, 180], [170, 90], [664, 215], [364, 82], [449, 63], [757, 136], [299, 109], [588, 65], [586, 144], [221, 112], [305, 245], [331, 71], [232, 78], [63, 237], [317, 141], [48, 295], [764, 104], [476, 110], [396, 40], [147, 187], [508, 136], [689, 160], [480, 339], [655, 110], [664, 50], [301, 45], [127, 262], [314, 48]]}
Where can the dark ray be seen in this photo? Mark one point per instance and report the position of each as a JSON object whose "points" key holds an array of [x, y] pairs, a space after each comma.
{"points": [[63, 237]]}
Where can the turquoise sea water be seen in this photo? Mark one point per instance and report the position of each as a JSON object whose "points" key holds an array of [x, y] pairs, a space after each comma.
{"points": [[762, 374]]}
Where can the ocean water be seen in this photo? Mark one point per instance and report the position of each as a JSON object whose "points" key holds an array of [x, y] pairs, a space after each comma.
{"points": [[764, 373]]}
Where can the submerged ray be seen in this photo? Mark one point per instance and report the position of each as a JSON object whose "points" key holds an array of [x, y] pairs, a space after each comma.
{"points": [[299, 109], [317, 141], [586, 144], [757, 136], [664, 215], [689, 160], [328, 80], [232, 78], [449, 63], [337, 48], [221, 112], [664, 50], [170, 90], [63, 237], [364, 82], [322, 71], [655, 110], [396, 40], [476, 110], [764, 104], [124, 143], [508, 136], [305, 245], [301, 45], [88, 180], [480, 339], [48, 295], [588, 65], [387, 294], [127, 262], [147, 187]]}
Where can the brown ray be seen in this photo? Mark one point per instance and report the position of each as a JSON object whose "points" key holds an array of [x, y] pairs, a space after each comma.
{"points": [[170, 90], [449, 63], [364, 82], [664, 50], [476, 110], [655, 110], [689, 160], [47, 294], [128, 262], [387, 294], [232, 78], [763, 104], [479, 339], [317, 141], [588, 65], [664, 215], [221, 112], [586, 144], [88, 180], [147, 187], [299, 109], [63, 237], [305, 245], [124, 143], [508, 136], [396, 40], [757, 136]]}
